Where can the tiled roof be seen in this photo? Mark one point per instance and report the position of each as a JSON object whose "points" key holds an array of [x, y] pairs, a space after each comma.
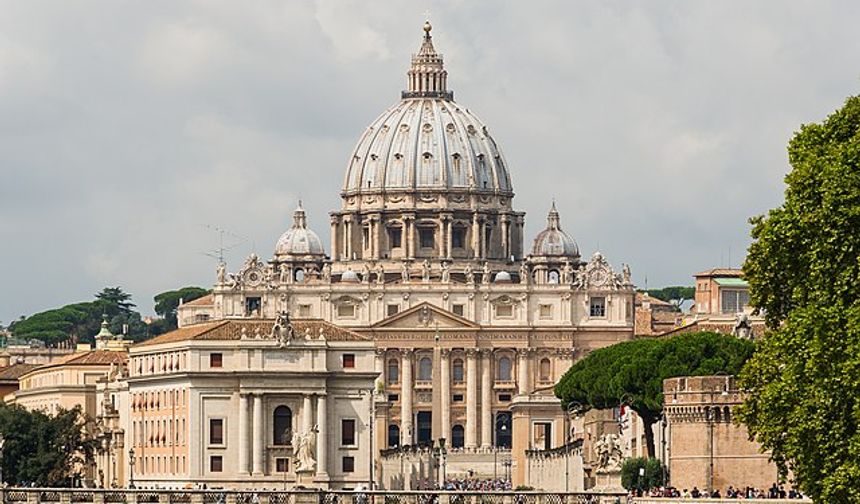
{"points": [[642, 296], [231, 330], [88, 358], [720, 272], [207, 300], [15, 371]]}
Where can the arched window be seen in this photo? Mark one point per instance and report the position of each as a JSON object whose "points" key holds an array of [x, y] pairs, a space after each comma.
{"points": [[544, 370], [282, 423], [425, 369], [458, 371], [299, 276], [393, 371], [553, 277], [393, 436], [504, 369], [457, 436]]}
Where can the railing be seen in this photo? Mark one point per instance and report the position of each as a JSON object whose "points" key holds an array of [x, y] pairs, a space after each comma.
{"points": [[128, 496], [676, 500]]}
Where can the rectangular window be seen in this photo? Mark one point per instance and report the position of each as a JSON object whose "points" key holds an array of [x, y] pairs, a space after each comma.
{"points": [[348, 360], [597, 306], [457, 398], [393, 397], [504, 310], [458, 237], [543, 435], [216, 431], [252, 306], [348, 464], [504, 397], [546, 311], [458, 309], [216, 360], [216, 463], [282, 465], [733, 301], [392, 310], [394, 237], [304, 310], [346, 311], [347, 432], [425, 236]]}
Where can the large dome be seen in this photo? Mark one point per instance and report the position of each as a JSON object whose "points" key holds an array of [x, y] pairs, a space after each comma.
{"points": [[298, 241], [427, 142]]}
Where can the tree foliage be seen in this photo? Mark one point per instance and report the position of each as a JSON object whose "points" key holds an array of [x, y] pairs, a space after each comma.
{"points": [[804, 273], [44, 450], [166, 303], [674, 293], [653, 477], [632, 372]]}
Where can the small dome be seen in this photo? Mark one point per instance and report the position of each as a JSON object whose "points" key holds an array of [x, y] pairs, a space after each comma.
{"points": [[298, 240], [503, 277], [552, 241], [349, 276]]}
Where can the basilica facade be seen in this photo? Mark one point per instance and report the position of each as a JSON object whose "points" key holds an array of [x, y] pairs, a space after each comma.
{"points": [[470, 329]]}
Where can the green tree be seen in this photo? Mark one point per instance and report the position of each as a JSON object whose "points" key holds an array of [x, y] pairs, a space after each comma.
{"points": [[115, 300], [632, 372], [41, 449], [652, 477], [804, 273], [674, 293], [167, 302]]}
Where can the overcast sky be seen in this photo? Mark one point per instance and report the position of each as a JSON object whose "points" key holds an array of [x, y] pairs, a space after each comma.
{"points": [[128, 127]]}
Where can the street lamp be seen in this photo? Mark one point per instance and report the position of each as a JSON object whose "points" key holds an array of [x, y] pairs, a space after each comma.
{"points": [[131, 468], [2, 444], [572, 408], [504, 427]]}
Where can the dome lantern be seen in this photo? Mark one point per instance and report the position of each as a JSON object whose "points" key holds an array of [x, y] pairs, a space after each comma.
{"points": [[427, 76]]}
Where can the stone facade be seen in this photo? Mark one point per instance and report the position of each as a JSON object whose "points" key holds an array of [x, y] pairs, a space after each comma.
{"points": [[428, 261], [707, 449], [251, 403]]}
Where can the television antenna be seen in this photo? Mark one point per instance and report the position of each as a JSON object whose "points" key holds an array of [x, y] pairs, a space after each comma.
{"points": [[218, 253]]}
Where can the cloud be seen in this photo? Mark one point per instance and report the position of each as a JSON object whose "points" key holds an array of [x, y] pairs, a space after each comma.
{"points": [[126, 129]]}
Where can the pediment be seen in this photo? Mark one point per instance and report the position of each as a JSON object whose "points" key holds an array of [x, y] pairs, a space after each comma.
{"points": [[425, 315]]}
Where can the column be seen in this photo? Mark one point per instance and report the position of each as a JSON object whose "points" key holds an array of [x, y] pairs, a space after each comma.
{"points": [[345, 231], [374, 238], [486, 400], [334, 247], [406, 435], [244, 434], [506, 250], [471, 398], [523, 386], [379, 367], [307, 414], [411, 237], [441, 236], [322, 436], [258, 435], [449, 238], [445, 378], [476, 237], [348, 238]]}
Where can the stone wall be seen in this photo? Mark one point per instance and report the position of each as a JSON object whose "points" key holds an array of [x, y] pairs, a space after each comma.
{"points": [[558, 470], [709, 450]]}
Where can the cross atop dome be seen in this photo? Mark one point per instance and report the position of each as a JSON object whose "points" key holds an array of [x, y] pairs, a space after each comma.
{"points": [[427, 76]]}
